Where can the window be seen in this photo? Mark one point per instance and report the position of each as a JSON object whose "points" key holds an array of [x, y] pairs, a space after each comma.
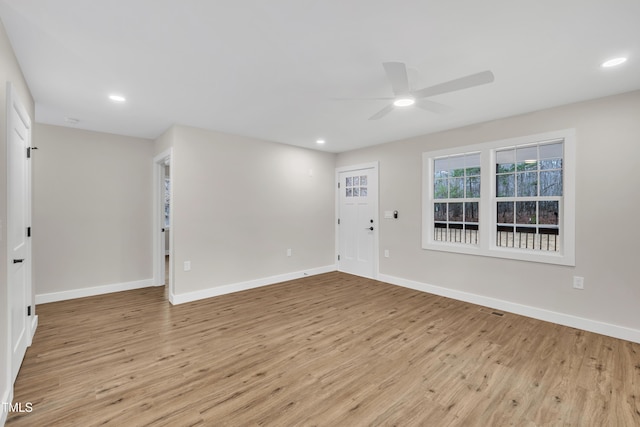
{"points": [[529, 196], [511, 199], [356, 186], [456, 193]]}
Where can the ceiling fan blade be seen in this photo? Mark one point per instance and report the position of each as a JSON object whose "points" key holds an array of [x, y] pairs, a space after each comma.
{"points": [[362, 99], [434, 107], [458, 84], [380, 114], [397, 75]]}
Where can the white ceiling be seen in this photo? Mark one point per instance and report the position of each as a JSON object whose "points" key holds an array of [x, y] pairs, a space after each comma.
{"points": [[272, 69]]}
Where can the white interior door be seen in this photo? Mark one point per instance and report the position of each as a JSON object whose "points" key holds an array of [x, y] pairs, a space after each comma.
{"points": [[358, 220], [18, 219]]}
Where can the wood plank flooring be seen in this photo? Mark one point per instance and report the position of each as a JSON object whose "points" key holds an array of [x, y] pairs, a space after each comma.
{"points": [[327, 350]]}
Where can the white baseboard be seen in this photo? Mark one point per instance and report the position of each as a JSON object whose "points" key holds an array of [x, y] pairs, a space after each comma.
{"points": [[590, 325], [243, 286], [598, 327], [89, 292]]}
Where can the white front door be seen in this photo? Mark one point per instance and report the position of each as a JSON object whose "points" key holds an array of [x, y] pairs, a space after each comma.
{"points": [[18, 219], [358, 220]]}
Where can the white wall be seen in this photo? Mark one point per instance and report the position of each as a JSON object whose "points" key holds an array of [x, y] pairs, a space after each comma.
{"points": [[607, 204], [92, 213], [9, 71], [240, 203]]}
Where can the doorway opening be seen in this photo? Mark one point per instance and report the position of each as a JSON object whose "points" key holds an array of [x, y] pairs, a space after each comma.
{"points": [[162, 220]]}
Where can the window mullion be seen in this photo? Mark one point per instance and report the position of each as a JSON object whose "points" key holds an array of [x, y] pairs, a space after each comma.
{"points": [[488, 211]]}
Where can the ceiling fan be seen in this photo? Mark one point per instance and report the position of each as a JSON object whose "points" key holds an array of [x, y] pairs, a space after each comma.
{"points": [[397, 75]]}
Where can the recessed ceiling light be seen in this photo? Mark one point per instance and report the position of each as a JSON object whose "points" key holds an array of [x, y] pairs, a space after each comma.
{"points": [[613, 62], [117, 98], [404, 102], [320, 141]]}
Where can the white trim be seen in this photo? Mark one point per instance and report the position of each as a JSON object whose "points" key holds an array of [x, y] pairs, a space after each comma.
{"points": [[376, 235], [357, 167], [564, 319], [89, 292], [250, 284]]}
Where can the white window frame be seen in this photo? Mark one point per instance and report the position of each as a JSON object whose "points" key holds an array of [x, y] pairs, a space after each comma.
{"points": [[488, 201]]}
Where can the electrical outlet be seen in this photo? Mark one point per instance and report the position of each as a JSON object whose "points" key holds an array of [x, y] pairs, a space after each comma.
{"points": [[187, 265], [386, 253], [289, 252], [578, 282]]}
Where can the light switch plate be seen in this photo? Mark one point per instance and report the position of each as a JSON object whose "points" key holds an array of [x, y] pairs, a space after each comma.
{"points": [[578, 282]]}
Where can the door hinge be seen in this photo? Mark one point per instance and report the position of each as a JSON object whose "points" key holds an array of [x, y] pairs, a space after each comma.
{"points": [[28, 310], [338, 257], [338, 185], [338, 221], [29, 151], [28, 231]]}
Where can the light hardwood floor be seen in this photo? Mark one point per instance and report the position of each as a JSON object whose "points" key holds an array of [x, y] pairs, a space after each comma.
{"points": [[330, 350]]}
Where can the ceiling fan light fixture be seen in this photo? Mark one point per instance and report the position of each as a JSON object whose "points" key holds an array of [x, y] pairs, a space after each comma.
{"points": [[613, 62], [404, 102]]}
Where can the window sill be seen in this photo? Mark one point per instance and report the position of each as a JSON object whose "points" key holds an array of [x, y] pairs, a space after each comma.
{"points": [[503, 253]]}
